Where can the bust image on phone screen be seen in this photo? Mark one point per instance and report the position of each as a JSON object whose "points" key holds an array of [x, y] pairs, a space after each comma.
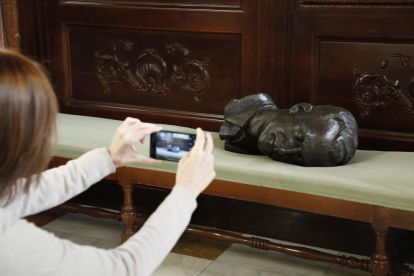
{"points": [[171, 146]]}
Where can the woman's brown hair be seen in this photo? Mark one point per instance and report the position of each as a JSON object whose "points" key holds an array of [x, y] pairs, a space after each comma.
{"points": [[28, 109]]}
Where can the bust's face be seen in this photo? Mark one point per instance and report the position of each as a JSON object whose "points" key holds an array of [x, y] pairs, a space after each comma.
{"points": [[310, 138]]}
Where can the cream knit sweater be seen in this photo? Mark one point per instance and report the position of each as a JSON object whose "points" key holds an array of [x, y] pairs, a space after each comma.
{"points": [[26, 250]]}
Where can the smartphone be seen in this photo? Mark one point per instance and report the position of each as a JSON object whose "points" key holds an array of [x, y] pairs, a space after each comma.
{"points": [[171, 146]]}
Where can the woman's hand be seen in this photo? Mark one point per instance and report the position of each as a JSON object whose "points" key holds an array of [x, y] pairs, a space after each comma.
{"points": [[122, 149], [196, 169]]}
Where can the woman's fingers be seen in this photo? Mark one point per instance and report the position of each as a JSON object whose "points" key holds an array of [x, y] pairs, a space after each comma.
{"points": [[138, 126], [196, 171], [209, 145], [142, 133], [139, 135], [200, 141], [182, 160], [128, 122], [139, 131]]}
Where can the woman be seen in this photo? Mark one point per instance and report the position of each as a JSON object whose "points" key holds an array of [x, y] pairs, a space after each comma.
{"points": [[28, 110]]}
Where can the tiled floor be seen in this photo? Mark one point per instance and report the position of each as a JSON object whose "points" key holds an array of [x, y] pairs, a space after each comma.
{"points": [[195, 255]]}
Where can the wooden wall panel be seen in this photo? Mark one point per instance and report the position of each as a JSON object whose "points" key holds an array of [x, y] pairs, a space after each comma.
{"points": [[372, 80], [166, 70], [317, 51], [358, 58], [173, 62]]}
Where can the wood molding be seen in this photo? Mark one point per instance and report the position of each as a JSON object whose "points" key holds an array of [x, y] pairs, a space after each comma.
{"points": [[144, 109], [357, 3], [9, 29], [145, 115], [386, 135], [201, 4]]}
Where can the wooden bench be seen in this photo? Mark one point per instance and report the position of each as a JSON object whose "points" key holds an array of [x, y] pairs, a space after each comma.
{"points": [[375, 187]]}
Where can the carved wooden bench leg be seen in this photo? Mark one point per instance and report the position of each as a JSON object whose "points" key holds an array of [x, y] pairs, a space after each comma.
{"points": [[380, 260], [128, 214]]}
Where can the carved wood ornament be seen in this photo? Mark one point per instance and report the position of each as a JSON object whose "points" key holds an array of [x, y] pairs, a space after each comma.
{"points": [[372, 89], [149, 73]]}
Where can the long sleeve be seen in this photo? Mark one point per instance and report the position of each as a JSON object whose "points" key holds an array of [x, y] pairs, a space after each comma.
{"points": [[59, 184], [28, 250]]}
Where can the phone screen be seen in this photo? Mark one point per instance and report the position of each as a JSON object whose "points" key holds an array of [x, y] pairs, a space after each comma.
{"points": [[171, 146]]}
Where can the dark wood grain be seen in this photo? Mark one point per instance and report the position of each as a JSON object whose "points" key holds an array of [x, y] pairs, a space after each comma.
{"points": [[296, 51], [9, 25], [230, 35], [222, 4], [336, 44], [218, 54]]}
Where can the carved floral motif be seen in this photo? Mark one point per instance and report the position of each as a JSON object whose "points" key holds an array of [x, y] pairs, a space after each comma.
{"points": [[372, 89], [195, 76], [150, 72], [193, 73], [176, 48]]}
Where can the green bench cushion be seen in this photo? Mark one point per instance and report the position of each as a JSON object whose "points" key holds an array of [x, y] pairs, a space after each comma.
{"points": [[372, 177]]}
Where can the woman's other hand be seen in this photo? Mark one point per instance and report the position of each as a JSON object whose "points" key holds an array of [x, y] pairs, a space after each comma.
{"points": [[196, 169], [122, 150]]}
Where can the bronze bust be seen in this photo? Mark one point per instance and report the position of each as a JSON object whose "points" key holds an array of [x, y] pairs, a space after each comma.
{"points": [[306, 135]]}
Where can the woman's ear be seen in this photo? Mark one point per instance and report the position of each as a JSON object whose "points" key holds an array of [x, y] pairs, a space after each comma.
{"points": [[301, 108]]}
